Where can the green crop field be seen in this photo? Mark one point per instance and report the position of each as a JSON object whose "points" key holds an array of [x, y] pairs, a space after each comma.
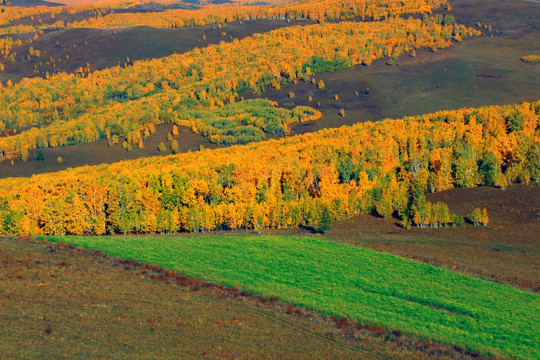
{"points": [[358, 283]]}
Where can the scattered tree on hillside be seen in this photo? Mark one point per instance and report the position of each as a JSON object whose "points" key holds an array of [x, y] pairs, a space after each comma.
{"points": [[477, 217], [175, 147], [485, 217]]}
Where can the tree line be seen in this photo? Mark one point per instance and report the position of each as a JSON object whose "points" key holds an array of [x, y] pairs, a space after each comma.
{"points": [[384, 168], [103, 15], [314, 10]]}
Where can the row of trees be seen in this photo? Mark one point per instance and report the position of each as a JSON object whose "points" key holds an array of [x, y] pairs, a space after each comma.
{"points": [[384, 167], [72, 109], [315, 10], [28, 19], [11, 14], [101, 16]]}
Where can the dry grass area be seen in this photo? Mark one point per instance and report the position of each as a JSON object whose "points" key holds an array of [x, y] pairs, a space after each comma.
{"points": [[62, 302]]}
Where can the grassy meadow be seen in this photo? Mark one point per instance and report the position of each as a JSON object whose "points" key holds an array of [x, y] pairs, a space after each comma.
{"points": [[343, 280]]}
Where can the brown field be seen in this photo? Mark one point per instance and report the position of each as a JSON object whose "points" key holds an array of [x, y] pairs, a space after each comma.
{"points": [[507, 250], [60, 302]]}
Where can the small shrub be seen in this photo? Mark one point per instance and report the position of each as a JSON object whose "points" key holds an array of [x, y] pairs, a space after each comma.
{"points": [[406, 223], [449, 20], [290, 309], [457, 220], [485, 218], [476, 217], [343, 323], [174, 147], [24, 155], [531, 59]]}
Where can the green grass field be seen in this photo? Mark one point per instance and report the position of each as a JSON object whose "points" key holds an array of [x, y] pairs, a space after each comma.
{"points": [[344, 280]]}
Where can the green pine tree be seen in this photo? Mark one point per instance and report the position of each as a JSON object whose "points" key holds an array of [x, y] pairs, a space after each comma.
{"points": [[40, 156], [325, 223]]}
